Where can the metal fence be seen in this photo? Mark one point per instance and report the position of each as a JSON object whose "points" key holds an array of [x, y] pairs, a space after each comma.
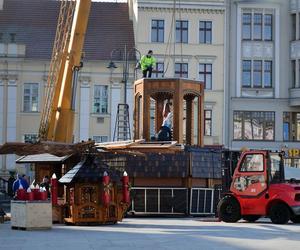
{"points": [[203, 201], [168, 201], [157, 200]]}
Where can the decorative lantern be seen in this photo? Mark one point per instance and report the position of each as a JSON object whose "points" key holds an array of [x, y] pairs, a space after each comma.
{"points": [[126, 191], [54, 185], [106, 189]]}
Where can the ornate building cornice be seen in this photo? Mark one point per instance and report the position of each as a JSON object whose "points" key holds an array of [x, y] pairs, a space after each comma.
{"points": [[183, 10]]}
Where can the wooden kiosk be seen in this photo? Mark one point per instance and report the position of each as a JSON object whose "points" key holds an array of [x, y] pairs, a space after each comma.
{"points": [[187, 98]]}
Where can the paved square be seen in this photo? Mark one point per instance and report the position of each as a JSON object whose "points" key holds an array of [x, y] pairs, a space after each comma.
{"points": [[156, 233]]}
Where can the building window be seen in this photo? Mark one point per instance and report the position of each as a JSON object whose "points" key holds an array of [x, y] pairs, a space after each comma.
{"points": [[257, 26], [291, 126], [100, 138], [157, 31], [293, 68], [100, 99], [294, 27], [205, 74], [159, 70], [268, 27], [246, 32], [267, 74], [207, 122], [30, 138], [205, 31], [246, 75], [257, 73], [12, 37], [31, 94], [181, 70], [181, 31], [253, 125]]}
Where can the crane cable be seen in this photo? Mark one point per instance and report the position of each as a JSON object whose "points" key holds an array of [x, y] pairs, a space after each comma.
{"points": [[172, 31], [167, 54]]}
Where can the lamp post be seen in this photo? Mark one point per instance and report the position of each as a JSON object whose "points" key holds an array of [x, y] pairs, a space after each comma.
{"points": [[124, 54]]}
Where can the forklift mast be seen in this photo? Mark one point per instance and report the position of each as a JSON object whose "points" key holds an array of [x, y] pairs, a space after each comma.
{"points": [[229, 163]]}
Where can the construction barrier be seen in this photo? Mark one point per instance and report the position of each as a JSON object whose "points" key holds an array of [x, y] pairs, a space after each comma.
{"points": [[172, 201]]}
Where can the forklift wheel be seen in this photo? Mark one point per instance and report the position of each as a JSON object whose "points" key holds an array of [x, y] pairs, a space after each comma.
{"points": [[251, 218], [229, 209], [279, 214], [295, 219]]}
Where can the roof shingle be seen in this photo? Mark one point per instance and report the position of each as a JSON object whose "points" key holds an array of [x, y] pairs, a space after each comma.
{"points": [[34, 23]]}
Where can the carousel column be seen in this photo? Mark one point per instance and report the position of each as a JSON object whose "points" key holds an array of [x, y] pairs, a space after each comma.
{"points": [[146, 117], [189, 121], [158, 113], [178, 115]]}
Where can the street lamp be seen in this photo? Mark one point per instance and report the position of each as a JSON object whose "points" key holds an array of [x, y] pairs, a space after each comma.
{"points": [[124, 55]]}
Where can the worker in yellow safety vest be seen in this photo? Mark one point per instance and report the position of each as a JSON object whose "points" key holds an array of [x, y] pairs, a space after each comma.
{"points": [[147, 62]]}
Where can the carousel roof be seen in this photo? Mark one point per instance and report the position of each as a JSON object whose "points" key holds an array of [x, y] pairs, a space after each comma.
{"points": [[91, 169]]}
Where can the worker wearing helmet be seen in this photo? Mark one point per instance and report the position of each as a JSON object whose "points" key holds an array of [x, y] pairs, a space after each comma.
{"points": [[147, 62]]}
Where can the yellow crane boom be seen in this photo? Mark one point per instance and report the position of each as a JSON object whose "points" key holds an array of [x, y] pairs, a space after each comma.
{"points": [[57, 121]]}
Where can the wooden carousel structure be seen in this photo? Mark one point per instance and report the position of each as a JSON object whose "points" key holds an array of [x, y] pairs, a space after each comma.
{"points": [[187, 97]]}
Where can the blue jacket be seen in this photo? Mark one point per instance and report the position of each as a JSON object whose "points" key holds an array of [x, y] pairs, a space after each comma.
{"points": [[17, 183]]}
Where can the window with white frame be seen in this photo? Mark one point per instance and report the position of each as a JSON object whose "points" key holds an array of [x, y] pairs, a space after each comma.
{"points": [[205, 74], [181, 70], [257, 26], [100, 138], [159, 70], [257, 74], [100, 105], [182, 31], [205, 32], [208, 122], [157, 31], [30, 138], [30, 98], [253, 125]]}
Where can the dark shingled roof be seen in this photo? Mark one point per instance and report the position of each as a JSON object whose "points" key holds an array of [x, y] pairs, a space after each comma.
{"points": [[34, 23], [91, 169]]}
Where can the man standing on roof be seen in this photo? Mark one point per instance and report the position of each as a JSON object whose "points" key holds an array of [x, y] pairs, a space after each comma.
{"points": [[147, 62]]}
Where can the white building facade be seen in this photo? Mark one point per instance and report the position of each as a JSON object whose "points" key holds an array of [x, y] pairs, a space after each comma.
{"points": [[187, 39], [262, 63]]}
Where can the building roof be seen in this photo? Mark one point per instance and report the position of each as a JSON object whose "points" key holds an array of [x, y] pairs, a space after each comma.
{"points": [[34, 23], [42, 158]]}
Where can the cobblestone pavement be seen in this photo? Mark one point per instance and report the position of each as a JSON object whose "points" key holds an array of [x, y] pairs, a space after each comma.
{"points": [[156, 233]]}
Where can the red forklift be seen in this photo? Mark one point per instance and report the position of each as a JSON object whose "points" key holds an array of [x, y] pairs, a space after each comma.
{"points": [[257, 188]]}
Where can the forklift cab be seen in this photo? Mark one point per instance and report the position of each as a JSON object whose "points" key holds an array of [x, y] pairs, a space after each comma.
{"points": [[258, 189], [255, 171]]}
